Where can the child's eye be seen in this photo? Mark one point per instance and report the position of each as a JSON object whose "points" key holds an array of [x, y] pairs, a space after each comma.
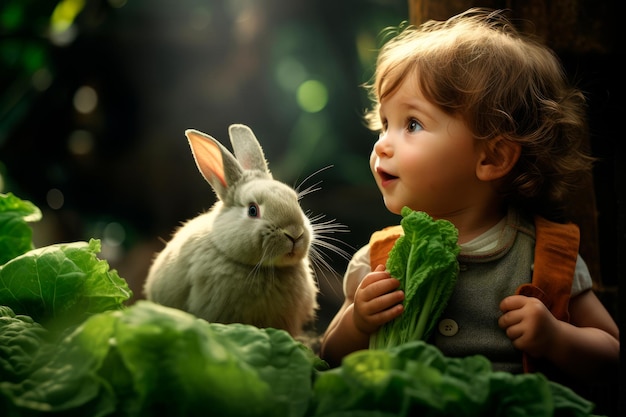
{"points": [[413, 125], [383, 126]]}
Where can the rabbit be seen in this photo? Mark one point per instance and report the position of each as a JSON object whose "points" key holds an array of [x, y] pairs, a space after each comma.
{"points": [[245, 260]]}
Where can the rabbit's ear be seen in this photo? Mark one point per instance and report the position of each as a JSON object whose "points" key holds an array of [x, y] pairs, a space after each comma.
{"points": [[217, 165], [247, 148]]}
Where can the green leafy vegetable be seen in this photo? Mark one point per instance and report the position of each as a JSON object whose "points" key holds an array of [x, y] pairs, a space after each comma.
{"points": [[64, 282], [15, 233], [20, 341], [151, 360], [415, 379], [424, 261]]}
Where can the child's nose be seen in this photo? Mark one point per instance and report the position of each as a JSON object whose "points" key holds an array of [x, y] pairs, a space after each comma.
{"points": [[383, 147]]}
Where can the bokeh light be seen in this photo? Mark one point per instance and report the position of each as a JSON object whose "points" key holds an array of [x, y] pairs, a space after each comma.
{"points": [[312, 96], [85, 99], [80, 142], [114, 234], [64, 14], [62, 29], [42, 79], [55, 199]]}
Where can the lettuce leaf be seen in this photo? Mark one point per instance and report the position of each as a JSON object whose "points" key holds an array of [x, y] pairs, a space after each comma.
{"points": [[279, 360], [20, 341], [415, 379], [424, 260], [61, 285], [151, 360], [15, 233], [65, 381]]}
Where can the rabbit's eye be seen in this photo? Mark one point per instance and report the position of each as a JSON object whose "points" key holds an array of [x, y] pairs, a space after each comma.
{"points": [[253, 210]]}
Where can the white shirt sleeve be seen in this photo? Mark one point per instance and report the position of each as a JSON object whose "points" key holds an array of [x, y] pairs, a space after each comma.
{"points": [[358, 267], [582, 277]]}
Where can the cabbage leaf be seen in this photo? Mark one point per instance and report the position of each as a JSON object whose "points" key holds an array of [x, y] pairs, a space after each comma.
{"points": [[15, 233], [424, 260], [416, 379], [61, 285], [20, 341], [151, 360]]}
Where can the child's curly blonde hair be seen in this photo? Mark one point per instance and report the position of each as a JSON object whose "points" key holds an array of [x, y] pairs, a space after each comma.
{"points": [[503, 83]]}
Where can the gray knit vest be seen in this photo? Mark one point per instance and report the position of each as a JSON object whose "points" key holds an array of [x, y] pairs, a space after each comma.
{"points": [[482, 283]]}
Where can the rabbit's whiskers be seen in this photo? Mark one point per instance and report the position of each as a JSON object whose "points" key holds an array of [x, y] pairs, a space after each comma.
{"points": [[321, 240], [268, 272], [312, 188]]}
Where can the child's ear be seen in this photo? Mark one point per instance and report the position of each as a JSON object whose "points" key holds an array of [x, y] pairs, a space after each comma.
{"points": [[498, 157]]}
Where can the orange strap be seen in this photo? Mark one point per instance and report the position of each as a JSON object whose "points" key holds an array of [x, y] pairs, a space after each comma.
{"points": [[556, 251]]}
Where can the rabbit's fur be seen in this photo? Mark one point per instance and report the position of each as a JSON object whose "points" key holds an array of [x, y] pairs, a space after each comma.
{"points": [[246, 260]]}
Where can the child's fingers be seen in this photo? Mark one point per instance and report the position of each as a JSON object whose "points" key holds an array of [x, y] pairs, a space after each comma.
{"points": [[377, 275], [389, 299], [388, 314], [512, 302], [380, 284], [379, 310], [507, 320]]}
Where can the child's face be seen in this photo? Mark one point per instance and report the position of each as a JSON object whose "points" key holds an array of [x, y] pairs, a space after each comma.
{"points": [[424, 158]]}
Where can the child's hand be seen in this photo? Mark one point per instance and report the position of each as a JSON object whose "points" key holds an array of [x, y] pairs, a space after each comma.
{"points": [[529, 324], [377, 301]]}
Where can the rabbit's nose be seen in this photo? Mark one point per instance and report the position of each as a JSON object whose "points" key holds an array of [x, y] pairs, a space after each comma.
{"points": [[294, 233]]}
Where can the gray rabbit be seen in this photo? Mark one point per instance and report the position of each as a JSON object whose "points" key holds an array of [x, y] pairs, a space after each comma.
{"points": [[245, 260]]}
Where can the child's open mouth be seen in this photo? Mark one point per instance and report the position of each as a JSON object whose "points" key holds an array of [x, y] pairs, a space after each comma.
{"points": [[385, 176]]}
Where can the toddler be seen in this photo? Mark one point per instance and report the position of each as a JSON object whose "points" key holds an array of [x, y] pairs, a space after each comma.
{"points": [[478, 125]]}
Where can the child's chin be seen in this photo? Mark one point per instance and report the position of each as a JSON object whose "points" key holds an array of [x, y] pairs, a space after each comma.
{"points": [[393, 207]]}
